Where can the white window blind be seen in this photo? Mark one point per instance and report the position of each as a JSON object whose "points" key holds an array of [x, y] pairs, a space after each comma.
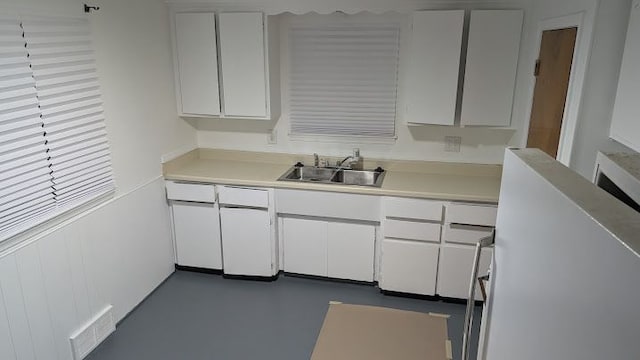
{"points": [[25, 182], [343, 79], [58, 105]]}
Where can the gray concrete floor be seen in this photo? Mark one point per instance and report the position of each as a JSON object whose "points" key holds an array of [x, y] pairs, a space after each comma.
{"points": [[195, 316]]}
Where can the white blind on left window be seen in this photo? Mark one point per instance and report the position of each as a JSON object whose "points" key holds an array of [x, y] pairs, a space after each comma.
{"points": [[54, 152], [66, 79], [26, 191]]}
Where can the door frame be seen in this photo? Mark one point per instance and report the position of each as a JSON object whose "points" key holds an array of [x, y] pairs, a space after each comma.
{"points": [[573, 101]]}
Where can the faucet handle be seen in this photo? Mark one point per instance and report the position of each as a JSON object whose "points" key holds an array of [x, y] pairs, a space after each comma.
{"points": [[356, 153]]}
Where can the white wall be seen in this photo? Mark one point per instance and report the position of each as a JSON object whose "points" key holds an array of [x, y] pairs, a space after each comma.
{"points": [[50, 287], [117, 253], [564, 285], [133, 49], [606, 22], [601, 84], [480, 145]]}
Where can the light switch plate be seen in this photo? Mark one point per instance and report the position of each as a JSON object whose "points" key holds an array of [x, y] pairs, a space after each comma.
{"points": [[452, 143]]}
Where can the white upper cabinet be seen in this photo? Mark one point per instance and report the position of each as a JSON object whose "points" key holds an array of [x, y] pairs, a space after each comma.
{"points": [[625, 125], [224, 71], [197, 64], [434, 64], [243, 71], [492, 60]]}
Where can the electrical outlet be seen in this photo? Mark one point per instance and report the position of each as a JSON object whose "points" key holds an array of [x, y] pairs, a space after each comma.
{"points": [[272, 137], [452, 143]]}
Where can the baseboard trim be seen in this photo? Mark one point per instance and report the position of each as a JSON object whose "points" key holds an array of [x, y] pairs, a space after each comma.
{"points": [[330, 279], [252, 277], [198, 269]]}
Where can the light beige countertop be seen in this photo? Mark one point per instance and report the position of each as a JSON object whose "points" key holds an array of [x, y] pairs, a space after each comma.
{"points": [[419, 179]]}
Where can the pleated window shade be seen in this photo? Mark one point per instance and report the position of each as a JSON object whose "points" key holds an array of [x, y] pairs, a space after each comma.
{"points": [[343, 79], [54, 153]]}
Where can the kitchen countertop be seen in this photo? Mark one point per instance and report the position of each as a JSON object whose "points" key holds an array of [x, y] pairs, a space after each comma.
{"points": [[418, 179]]}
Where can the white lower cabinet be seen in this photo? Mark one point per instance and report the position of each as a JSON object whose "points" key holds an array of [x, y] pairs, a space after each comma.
{"points": [[246, 241], [327, 248], [197, 234], [465, 225], [409, 266], [350, 251], [454, 270], [305, 246], [422, 251]]}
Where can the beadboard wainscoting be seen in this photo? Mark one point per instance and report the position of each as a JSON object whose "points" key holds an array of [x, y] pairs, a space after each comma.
{"points": [[51, 286]]}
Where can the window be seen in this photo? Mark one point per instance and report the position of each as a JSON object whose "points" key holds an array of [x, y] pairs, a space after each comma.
{"points": [[54, 153], [343, 77]]}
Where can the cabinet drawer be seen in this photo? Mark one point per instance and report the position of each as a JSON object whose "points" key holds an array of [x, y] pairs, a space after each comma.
{"points": [[191, 192], [464, 234], [412, 208], [231, 195], [411, 230], [328, 204], [471, 214]]}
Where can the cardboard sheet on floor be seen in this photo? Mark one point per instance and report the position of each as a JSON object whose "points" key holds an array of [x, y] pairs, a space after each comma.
{"points": [[358, 332]]}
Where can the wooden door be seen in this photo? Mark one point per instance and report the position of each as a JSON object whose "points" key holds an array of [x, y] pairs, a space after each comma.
{"points": [[553, 70]]}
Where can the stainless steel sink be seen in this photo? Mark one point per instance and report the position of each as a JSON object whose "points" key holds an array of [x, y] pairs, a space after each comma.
{"points": [[309, 173], [334, 176], [358, 177]]}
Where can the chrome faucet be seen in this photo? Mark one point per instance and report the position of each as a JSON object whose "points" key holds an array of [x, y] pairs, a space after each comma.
{"points": [[355, 159]]}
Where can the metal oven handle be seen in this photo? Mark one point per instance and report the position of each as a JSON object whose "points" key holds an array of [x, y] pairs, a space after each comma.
{"points": [[468, 317]]}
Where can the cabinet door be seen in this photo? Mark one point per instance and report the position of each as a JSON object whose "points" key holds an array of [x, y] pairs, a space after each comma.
{"points": [[197, 63], [625, 126], [350, 251], [492, 60], [434, 65], [454, 270], [197, 235], [246, 241], [305, 246], [242, 58], [409, 266]]}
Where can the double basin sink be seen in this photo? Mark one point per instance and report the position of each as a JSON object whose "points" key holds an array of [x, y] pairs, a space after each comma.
{"points": [[337, 176]]}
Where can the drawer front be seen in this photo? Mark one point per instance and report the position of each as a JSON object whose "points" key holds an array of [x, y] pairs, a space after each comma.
{"points": [[412, 208], [191, 192], [328, 204], [471, 214], [230, 195], [411, 230], [464, 234]]}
